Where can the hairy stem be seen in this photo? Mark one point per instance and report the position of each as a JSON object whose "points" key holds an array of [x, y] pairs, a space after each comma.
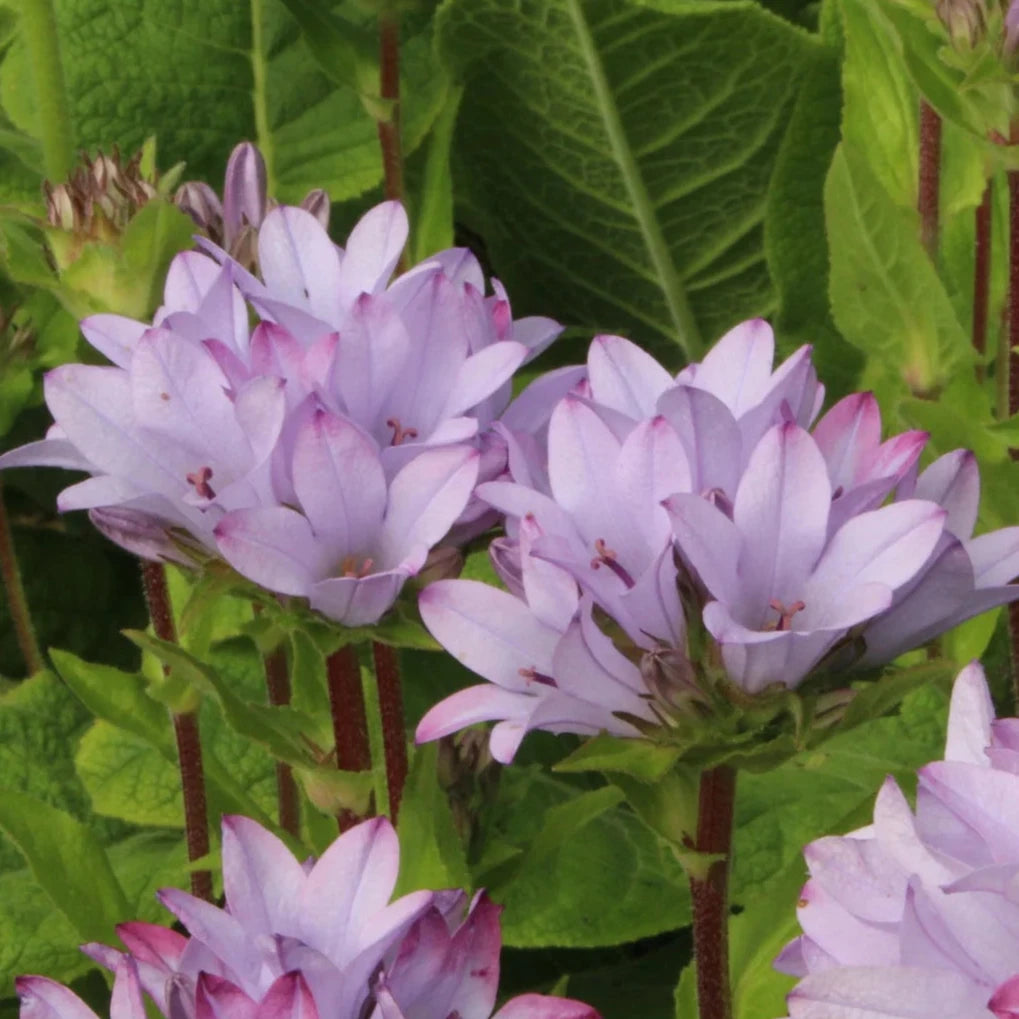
{"points": [[710, 894], [929, 190], [52, 112], [17, 603], [185, 729], [277, 683], [394, 733], [981, 276], [350, 725], [1013, 378]]}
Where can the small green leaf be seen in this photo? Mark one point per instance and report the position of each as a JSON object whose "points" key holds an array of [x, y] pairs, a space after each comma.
{"points": [[431, 853], [68, 863], [668, 807], [641, 759]]}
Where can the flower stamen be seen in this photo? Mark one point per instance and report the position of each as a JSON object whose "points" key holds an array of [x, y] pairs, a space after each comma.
{"points": [[399, 432], [607, 557], [533, 676], [200, 481], [355, 567], [785, 613]]}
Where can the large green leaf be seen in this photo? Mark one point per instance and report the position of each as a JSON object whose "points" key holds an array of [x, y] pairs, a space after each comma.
{"points": [[885, 293], [615, 155], [205, 76], [589, 872]]}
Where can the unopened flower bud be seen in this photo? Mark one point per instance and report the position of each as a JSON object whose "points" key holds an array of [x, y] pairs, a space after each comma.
{"points": [[244, 192], [202, 204], [317, 203], [444, 562], [966, 20], [59, 206], [144, 535], [671, 679]]}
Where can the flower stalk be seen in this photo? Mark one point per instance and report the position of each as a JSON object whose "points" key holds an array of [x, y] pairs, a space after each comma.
{"points": [[929, 189], [981, 276], [350, 723], [17, 603], [186, 732], [710, 894], [394, 733], [1012, 363], [277, 682]]}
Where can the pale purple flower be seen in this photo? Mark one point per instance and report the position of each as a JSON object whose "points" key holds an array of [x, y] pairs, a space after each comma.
{"points": [[917, 915], [964, 577], [357, 536], [782, 592], [319, 940]]}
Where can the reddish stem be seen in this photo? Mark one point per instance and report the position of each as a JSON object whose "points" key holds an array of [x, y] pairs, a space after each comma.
{"points": [[350, 724], [1013, 376], [929, 190], [981, 276], [277, 683], [17, 603], [389, 123], [185, 729], [394, 731], [711, 894]]}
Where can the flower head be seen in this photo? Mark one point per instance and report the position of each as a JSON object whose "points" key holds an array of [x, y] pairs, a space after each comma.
{"points": [[319, 940], [917, 914]]}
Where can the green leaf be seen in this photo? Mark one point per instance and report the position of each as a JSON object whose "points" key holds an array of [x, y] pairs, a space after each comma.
{"points": [[881, 103], [642, 137], [612, 881], [641, 759], [203, 77], [246, 786], [885, 293], [68, 862], [278, 729], [794, 235], [431, 853]]}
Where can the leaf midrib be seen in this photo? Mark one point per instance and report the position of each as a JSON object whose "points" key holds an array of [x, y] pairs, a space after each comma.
{"points": [[683, 321]]}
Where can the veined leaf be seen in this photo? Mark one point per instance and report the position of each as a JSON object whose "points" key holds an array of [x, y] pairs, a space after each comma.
{"points": [[615, 155]]}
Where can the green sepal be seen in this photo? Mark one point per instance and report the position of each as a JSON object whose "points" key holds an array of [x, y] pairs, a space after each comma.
{"points": [[333, 790], [637, 758]]}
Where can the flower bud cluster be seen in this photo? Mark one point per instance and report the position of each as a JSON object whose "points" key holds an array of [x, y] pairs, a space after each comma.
{"points": [[918, 914], [318, 940], [664, 532]]}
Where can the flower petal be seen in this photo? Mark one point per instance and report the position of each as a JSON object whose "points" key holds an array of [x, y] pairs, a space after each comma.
{"points": [[969, 717], [373, 249], [218, 998], [624, 377], [482, 703], [273, 546], [114, 336], [541, 1006], [358, 601], [288, 998], [489, 631], [953, 481]]}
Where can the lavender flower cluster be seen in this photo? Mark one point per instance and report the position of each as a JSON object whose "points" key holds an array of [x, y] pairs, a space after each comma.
{"points": [[312, 940], [917, 915]]}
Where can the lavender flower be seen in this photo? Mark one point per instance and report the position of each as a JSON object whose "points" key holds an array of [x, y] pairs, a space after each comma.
{"points": [[917, 914], [323, 452], [314, 941]]}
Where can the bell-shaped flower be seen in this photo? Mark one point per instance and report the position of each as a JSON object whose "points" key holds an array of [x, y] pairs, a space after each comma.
{"points": [[42, 998], [602, 522], [918, 914], [547, 663], [965, 576], [318, 940], [782, 592], [357, 537]]}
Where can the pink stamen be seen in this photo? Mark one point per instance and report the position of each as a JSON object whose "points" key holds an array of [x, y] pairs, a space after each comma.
{"points": [[200, 481], [785, 613], [399, 432], [607, 557], [352, 566], [533, 676]]}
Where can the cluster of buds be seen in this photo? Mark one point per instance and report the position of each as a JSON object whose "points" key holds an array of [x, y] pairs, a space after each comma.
{"points": [[100, 197], [972, 22], [233, 223], [312, 940]]}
